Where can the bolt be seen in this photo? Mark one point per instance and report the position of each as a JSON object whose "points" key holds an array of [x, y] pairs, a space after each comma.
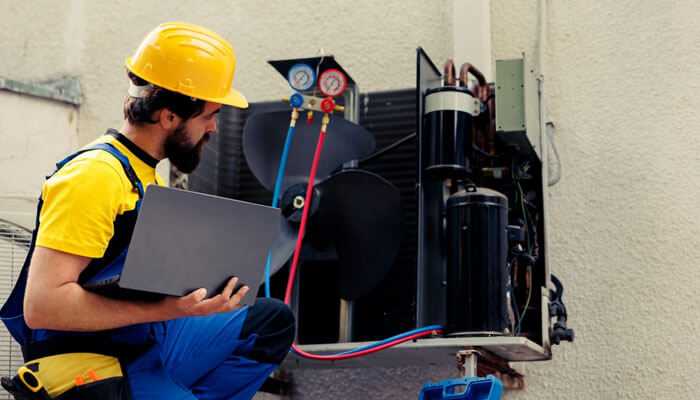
{"points": [[298, 202]]}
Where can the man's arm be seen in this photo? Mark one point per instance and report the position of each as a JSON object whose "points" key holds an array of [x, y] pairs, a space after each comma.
{"points": [[54, 299]]}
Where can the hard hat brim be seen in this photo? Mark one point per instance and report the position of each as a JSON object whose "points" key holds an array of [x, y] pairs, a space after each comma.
{"points": [[233, 98]]}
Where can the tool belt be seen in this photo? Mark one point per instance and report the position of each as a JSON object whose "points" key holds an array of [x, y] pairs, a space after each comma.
{"points": [[69, 376]]}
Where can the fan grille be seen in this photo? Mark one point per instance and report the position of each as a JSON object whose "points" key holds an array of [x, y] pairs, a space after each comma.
{"points": [[14, 245]]}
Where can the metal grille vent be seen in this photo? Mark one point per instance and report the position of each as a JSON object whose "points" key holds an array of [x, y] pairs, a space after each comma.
{"points": [[14, 245]]}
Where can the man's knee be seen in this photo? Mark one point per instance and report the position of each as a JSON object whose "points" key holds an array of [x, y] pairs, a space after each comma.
{"points": [[273, 324]]}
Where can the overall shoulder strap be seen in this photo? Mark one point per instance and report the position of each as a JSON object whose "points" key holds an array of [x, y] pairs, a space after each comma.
{"points": [[111, 149]]}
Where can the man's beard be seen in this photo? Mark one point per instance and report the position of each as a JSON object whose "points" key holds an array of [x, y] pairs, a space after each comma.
{"points": [[181, 152]]}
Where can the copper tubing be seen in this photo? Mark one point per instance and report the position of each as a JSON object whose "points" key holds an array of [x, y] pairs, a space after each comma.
{"points": [[483, 90], [450, 73], [487, 127]]}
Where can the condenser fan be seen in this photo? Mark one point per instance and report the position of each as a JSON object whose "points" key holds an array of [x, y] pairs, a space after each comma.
{"points": [[354, 212]]}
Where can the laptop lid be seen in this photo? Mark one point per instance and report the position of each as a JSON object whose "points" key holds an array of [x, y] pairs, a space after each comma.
{"points": [[186, 240]]}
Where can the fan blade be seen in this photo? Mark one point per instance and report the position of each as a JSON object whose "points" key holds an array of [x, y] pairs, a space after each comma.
{"points": [[263, 141], [283, 246], [362, 213]]}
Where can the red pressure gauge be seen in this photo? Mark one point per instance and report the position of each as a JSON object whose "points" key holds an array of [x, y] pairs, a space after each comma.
{"points": [[332, 82]]}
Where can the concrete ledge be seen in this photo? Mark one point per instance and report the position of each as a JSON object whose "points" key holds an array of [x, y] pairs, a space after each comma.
{"points": [[65, 90]]}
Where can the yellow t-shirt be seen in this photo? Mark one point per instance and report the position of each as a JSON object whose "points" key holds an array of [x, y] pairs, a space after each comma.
{"points": [[90, 202]]}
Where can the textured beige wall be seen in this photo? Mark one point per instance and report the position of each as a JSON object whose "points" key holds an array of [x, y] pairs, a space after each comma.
{"points": [[34, 134], [375, 41], [622, 79]]}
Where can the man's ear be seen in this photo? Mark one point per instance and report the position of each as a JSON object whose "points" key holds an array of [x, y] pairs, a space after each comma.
{"points": [[167, 119]]}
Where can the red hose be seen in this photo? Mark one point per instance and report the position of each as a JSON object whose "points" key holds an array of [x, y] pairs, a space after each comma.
{"points": [[307, 207]]}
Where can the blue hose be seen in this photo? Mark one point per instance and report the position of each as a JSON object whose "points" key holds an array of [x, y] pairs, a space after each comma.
{"points": [[393, 338], [276, 195]]}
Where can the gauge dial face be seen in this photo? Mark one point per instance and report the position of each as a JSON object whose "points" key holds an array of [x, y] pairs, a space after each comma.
{"points": [[332, 82], [301, 77]]}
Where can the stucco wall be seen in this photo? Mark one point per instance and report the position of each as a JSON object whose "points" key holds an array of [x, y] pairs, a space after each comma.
{"points": [[622, 80], [34, 134]]}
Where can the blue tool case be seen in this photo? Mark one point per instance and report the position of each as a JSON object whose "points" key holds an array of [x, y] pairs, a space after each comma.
{"points": [[471, 388]]}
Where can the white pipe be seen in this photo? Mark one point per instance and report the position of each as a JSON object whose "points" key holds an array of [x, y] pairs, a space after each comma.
{"points": [[471, 35]]}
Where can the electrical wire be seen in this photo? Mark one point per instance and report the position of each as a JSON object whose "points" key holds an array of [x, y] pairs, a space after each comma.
{"points": [[527, 302], [361, 351], [388, 148], [318, 69], [522, 206], [278, 186]]}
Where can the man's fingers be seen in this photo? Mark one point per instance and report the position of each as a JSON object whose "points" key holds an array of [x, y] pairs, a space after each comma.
{"points": [[209, 306], [194, 297], [236, 299], [228, 290]]}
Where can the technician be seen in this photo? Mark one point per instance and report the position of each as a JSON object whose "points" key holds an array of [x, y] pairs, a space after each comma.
{"points": [[191, 347]]}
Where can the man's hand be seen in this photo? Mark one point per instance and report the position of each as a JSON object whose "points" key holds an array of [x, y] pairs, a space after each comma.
{"points": [[195, 303]]}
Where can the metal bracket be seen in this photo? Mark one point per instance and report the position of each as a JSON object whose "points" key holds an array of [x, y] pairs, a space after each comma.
{"points": [[473, 362], [312, 103], [466, 362]]}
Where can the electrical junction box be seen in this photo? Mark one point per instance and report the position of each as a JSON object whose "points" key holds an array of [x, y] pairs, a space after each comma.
{"points": [[517, 105]]}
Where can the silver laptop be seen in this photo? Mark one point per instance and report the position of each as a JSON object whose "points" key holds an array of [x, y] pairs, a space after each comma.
{"points": [[184, 240]]}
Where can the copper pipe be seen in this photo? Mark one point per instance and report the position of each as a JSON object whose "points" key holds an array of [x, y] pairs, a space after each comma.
{"points": [[483, 90], [450, 73], [486, 130]]}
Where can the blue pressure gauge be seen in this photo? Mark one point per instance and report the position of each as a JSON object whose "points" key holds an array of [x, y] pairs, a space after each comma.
{"points": [[301, 77]]}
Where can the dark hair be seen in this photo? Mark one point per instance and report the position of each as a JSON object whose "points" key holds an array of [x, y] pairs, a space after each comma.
{"points": [[140, 110]]}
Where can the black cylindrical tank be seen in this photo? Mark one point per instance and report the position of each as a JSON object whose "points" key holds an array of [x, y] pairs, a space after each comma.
{"points": [[477, 280], [448, 131]]}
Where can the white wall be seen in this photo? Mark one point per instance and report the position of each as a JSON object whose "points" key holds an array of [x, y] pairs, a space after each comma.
{"points": [[622, 80]]}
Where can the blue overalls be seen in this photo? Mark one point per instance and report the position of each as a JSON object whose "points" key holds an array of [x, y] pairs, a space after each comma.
{"points": [[220, 356]]}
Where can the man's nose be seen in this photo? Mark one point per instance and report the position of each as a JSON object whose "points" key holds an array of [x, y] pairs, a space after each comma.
{"points": [[212, 126]]}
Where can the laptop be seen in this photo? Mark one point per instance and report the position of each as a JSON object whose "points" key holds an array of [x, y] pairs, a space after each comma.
{"points": [[185, 240]]}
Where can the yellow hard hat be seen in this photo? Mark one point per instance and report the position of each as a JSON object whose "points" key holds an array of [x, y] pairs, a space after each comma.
{"points": [[190, 60]]}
